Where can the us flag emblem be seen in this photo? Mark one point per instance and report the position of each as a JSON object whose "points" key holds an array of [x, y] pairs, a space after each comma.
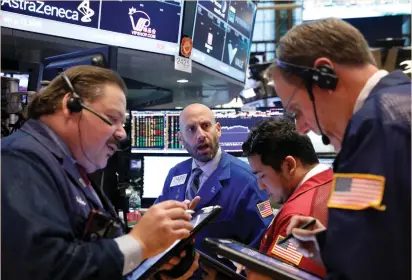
{"points": [[287, 251], [265, 209], [357, 191]]}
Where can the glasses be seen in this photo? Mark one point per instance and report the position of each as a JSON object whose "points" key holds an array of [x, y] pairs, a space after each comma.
{"points": [[286, 110]]}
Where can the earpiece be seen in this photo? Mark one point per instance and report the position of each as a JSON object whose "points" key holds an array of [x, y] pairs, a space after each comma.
{"points": [[323, 76], [327, 77], [75, 104]]}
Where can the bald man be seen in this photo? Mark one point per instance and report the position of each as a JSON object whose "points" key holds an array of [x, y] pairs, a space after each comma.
{"points": [[219, 179]]}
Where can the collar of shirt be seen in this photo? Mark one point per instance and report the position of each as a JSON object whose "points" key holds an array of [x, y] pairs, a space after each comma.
{"points": [[209, 166], [313, 172], [370, 84], [58, 141]]}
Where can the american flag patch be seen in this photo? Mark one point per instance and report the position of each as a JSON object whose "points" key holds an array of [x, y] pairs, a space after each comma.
{"points": [[357, 191], [265, 209], [287, 251]]}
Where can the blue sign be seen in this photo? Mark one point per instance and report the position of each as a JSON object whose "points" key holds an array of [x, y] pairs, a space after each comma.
{"points": [[148, 19], [84, 13]]}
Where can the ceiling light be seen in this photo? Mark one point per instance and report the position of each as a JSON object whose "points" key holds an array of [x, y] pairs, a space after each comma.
{"points": [[182, 81]]}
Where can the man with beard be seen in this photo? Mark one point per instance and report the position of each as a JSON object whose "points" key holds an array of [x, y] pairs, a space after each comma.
{"points": [[219, 179]]}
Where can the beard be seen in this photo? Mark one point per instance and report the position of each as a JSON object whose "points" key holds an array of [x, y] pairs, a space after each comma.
{"points": [[198, 155]]}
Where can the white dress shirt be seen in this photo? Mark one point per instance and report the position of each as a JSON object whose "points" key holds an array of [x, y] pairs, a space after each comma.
{"points": [[370, 84], [207, 167]]}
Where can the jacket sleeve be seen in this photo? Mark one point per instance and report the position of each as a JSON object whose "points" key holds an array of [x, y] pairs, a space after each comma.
{"points": [[37, 238], [255, 224], [166, 186]]}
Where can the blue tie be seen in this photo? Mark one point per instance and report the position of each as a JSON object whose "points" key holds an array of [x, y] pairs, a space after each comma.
{"points": [[194, 184]]}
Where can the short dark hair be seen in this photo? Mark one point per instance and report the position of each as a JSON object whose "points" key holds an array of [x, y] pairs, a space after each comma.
{"points": [[276, 138], [87, 81]]}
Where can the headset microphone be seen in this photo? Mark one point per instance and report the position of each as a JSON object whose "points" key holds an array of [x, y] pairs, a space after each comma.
{"points": [[75, 104]]}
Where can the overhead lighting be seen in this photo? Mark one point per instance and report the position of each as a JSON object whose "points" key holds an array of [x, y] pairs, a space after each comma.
{"points": [[182, 81]]}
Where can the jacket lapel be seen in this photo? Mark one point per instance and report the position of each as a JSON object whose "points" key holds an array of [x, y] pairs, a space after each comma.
{"points": [[56, 146]]}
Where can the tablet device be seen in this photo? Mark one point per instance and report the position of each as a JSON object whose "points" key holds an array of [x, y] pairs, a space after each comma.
{"points": [[257, 261], [151, 266], [220, 267]]}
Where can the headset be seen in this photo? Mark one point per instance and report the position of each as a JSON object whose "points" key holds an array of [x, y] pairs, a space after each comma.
{"points": [[322, 76], [75, 104]]}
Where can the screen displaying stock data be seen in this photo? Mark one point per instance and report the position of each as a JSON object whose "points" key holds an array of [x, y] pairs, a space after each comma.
{"points": [[156, 132]]}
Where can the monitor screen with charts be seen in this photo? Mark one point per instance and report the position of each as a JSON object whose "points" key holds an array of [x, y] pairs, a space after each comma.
{"points": [[156, 132]]}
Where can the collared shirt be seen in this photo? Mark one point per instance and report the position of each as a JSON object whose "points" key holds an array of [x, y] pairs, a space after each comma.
{"points": [[130, 248], [313, 172], [370, 84], [207, 167]]}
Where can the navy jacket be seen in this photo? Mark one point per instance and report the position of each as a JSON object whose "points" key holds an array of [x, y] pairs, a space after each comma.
{"points": [[375, 243], [232, 186], [44, 206]]}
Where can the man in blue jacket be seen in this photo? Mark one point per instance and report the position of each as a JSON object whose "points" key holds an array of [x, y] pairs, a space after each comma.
{"points": [[218, 179], [326, 75], [75, 125]]}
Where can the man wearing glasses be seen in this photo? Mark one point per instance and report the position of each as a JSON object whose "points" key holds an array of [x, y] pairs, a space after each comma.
{"points": [[326, 76]]}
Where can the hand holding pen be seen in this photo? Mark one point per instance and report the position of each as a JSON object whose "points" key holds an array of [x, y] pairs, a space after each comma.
{"points": [[304, 230]]}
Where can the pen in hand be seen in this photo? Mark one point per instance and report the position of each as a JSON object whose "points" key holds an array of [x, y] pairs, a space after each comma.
{"points": [[290, 235], [144, 210]]}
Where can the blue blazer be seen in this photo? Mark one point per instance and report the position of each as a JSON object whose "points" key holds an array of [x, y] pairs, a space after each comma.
{"points": [[375, 243], [232, 186], [45, 204]]}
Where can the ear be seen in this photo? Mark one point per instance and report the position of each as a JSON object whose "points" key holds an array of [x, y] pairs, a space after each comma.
{"points": [[290, 164], [218, 129], [63, 104], [322, 61], [179, 135]]}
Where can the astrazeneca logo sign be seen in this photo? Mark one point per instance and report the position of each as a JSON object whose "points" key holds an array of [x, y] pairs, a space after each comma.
{"points": [[42, 8], [141, 24]]}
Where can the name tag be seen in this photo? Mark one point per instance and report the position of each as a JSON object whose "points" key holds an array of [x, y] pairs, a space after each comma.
{"points": [[178, 180]]}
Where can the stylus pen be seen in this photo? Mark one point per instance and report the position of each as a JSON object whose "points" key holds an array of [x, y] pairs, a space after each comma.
{"points": [[144, 210], [290, 235]]}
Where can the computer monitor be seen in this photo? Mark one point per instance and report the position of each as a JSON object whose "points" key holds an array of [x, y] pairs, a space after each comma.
{"points": [[222, 36], [236, 127], [327, 161], [156, 131], [155, 170], [103, 57]]}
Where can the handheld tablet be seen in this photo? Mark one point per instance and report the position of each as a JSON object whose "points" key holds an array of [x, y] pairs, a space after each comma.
{"points": [[151, 266], [220, 267], [257, 261]]}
